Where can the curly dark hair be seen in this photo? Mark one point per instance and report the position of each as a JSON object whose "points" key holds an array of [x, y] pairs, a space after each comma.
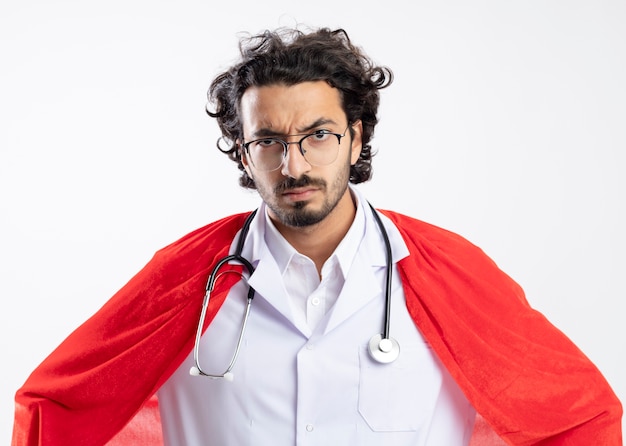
{"points": [[291, 56]]}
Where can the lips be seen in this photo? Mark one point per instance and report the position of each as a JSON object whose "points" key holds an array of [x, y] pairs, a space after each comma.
{"points": [[299, 189], [299, 194]]}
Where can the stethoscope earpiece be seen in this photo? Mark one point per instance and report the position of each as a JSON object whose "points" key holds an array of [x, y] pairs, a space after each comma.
{"points": [[384, 350]]}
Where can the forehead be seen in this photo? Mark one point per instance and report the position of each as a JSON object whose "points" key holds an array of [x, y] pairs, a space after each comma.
{"points": [[290, 108]]}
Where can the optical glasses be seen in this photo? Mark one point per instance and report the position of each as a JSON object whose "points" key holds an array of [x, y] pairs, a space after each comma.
{"points": [[319, 148]]}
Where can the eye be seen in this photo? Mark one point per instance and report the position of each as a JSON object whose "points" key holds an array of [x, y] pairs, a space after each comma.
{"points": [[320, 135], [267, 143]]}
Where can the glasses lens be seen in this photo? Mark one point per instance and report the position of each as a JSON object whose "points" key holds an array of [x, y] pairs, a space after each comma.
{"points": [[266, 154], [320, 149]]}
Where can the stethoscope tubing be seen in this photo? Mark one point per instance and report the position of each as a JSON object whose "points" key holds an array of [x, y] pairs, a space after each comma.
{"points": [[387, 318], [382, 347], [237, 257]]}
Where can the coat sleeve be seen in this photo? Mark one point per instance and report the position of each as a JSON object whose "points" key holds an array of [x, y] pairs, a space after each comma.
{"points": [[98, 379], [528, 381]]}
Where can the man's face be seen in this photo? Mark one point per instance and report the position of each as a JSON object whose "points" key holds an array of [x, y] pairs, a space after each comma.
{"points": [[297, 193]]}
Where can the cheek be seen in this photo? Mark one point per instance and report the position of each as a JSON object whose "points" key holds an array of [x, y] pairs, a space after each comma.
{"points": [[262, 180]]}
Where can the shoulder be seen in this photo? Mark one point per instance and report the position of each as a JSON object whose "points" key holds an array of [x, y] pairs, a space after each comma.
{"points": [[205, 242], [219, 230], [439, 254], [418, 232]]}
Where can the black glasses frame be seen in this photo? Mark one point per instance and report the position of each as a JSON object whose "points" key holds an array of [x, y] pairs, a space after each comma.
{"points": [[286, 144]]}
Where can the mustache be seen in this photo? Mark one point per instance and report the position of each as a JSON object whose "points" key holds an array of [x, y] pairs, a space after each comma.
{"points": [[293, 183]]}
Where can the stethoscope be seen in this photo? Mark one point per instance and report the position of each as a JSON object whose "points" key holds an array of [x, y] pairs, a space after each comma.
{"points": [[382, 347]]}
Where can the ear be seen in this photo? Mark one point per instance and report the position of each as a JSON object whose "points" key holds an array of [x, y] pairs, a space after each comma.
{"points": [[242, 156], [357, 142]]}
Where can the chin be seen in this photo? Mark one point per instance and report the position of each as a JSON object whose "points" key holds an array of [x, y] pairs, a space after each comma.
{"points": [[299, 216]]}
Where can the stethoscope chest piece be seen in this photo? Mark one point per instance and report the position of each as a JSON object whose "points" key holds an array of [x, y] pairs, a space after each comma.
{"points": [[384, 350]]}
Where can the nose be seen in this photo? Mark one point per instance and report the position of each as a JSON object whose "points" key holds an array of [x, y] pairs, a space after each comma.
{"points": [[294, 164]]}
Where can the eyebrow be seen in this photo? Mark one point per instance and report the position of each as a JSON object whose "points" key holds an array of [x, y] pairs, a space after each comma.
{"points": [[266, 131]]}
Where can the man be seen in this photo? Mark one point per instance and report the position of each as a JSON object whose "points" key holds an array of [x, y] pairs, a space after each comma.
{"points": [[455, 351]]}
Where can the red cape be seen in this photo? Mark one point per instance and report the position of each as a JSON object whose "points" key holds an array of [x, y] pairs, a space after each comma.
{"points": [[525, 378]]}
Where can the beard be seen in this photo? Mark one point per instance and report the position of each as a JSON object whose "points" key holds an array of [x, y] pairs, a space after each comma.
{"points": [[300, 214]]}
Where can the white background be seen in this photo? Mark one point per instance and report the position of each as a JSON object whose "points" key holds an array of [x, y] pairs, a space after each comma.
{"points": [[505, 123]]}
